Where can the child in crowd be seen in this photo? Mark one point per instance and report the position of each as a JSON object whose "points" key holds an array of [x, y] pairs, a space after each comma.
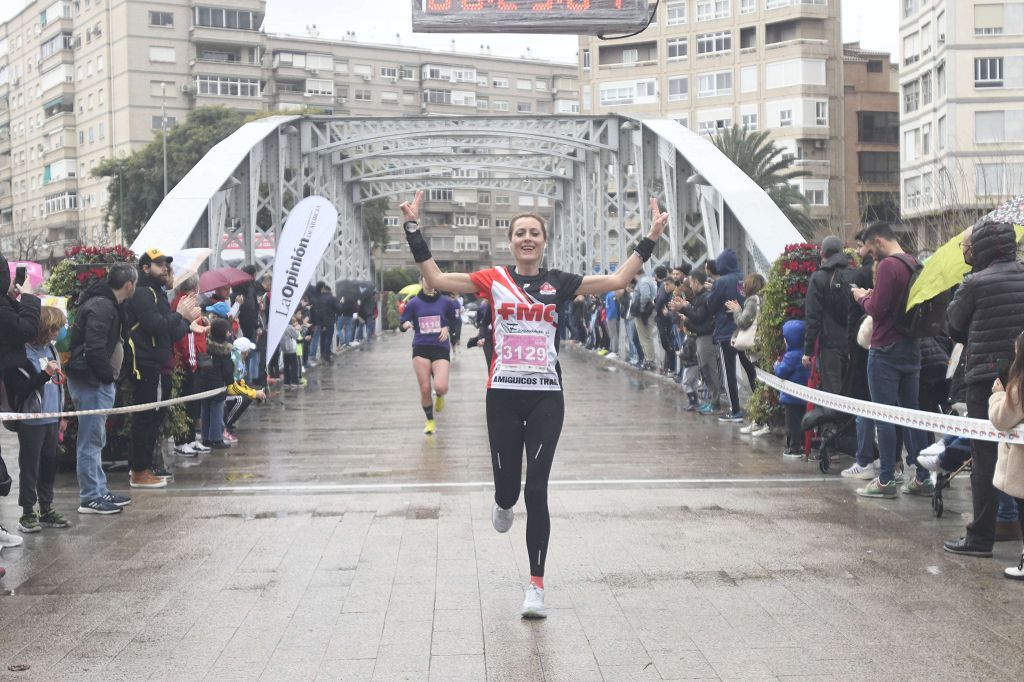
{"points": [[791, 368], [1006, 411], [240, 394], [36, 385], [289, 349], [216, 370]]}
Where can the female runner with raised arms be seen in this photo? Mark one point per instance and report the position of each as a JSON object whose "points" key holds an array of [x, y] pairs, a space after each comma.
{"points": [[431, 315], [525, 407]]}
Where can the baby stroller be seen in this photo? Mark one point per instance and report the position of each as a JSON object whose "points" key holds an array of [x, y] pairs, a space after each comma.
{"points": [[837, 433]]}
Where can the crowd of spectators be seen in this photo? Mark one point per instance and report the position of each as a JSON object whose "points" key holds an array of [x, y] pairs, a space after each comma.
{"points": [[135, 336], [857, 339]]}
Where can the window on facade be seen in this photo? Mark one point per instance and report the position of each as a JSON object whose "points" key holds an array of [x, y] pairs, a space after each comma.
{"points": [[164, 55], [500, 105], [879, 167], [678, 88], [998, 126], [218, 17], [502, 200], [821, 113], [911, 144], [878, 126], [940, 80], [988, 72], [926, 139], [161, 19], [677, 48], [989, 19], [630, 56], [713, 126], [224, 86], [318, 86], [711, 43], [996, 179], [749, 122], [785, 118], [714, 84], [585, 55], [499, 82], [911, 96], [926, 88], [439, 194], [502, 223], [815, 197], [748, 6], [675, 12], [712, 9], [941, 132], [524, 107]]}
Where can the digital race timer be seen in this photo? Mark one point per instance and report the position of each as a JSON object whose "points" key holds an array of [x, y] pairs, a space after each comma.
{"points": [[529, 16]]}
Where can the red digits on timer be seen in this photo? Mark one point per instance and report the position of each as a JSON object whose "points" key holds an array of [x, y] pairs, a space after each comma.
{"points": [[439, 5], [574, 5]]}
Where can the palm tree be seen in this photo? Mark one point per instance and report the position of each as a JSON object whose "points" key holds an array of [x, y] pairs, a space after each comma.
{"points": [[763, 162]]}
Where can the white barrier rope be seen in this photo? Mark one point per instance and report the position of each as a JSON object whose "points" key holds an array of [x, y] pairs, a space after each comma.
{"points": [[977, 429], [19, 416]]}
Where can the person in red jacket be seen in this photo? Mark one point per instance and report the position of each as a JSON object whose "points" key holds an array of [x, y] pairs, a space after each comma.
{"points": [[186, 353]]}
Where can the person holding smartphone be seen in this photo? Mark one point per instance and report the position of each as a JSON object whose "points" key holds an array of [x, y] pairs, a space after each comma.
{"points": [[19, 320]]}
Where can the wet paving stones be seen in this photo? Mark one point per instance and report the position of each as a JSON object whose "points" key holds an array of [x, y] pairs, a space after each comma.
{"points": [[337, 542]]}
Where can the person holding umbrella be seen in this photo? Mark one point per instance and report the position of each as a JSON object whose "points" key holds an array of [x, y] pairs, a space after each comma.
{"points": [[525, 407]]}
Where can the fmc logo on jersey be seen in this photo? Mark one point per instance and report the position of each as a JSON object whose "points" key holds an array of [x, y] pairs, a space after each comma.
{"points": [[528, 312]]}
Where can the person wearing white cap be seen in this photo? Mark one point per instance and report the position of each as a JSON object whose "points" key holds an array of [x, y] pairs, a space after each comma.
{"points": [[240, 394]]}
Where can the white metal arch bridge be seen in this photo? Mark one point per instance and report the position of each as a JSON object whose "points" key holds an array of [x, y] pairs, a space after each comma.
{"points": [[596, 171]]}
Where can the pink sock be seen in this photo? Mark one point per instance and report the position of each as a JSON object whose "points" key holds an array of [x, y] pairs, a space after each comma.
{"points": [[537, 580]]}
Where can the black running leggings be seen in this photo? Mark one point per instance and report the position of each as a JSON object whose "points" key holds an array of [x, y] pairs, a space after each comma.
{"points": [[530, 419]]}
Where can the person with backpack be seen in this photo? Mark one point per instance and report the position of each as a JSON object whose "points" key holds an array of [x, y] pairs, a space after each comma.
{"points": [[642, 310], [826, 314], [894, 361], [986, 315], [37, 385], [97, 353]]}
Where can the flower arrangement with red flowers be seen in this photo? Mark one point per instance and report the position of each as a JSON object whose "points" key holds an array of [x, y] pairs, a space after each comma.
{"points": [[782, 299]]}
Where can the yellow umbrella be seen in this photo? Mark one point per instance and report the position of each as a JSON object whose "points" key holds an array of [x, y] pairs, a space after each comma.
{"points": [[943, 270], [409, 290]]}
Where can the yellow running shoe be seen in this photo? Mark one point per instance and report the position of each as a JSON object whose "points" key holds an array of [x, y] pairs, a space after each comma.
{"points": [[429, 429], [438, 403]]}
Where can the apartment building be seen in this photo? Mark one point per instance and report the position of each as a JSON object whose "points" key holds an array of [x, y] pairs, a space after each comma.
{"points": [[871, 111], [762, 64], [962, 122], [86, 80]]}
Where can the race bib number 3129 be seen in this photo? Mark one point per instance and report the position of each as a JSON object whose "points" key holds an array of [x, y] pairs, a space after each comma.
{"points": [[524, 353]]}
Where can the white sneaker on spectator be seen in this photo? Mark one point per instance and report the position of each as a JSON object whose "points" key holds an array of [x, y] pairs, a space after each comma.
{"points": [[750, 428], [8, 539], [934, 449], [857, 471], [929, 461], [186, 450], [199, 447], [899, 477], [762, 430]]}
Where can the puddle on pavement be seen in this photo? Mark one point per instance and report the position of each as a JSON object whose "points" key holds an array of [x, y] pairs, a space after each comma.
{"points": [[278, 514]]}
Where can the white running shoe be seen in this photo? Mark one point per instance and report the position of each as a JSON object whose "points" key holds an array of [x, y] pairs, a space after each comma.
{"points": [[501, 519], [929, 461], [8, 539], [186, 450], [750, 428], [857, 471], [763, 430], [1015, 572], [198, 446], [533, 603]]}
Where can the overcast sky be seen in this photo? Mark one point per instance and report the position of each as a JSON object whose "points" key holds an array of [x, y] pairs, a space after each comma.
{"points": [[874, 22]]}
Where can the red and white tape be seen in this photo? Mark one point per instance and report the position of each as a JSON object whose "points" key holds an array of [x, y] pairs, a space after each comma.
{"points": [[19, 416], [966, 427]]}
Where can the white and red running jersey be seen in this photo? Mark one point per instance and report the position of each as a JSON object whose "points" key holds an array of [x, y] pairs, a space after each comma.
{"points": [[526, 325]]}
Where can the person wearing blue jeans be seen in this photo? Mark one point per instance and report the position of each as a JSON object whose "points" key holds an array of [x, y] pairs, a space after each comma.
{"points": [[894, 361], [212, 414], [894, 376], [91, 439]]}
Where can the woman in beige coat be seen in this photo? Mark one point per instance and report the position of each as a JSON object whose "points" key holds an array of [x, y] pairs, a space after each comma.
{"points": [[1006, 411]]}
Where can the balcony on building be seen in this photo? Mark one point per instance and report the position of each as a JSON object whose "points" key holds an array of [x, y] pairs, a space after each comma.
{"points": [[56, 15], [226, 59], [292, 65], [781, 10], [57, 49], [58, 83], [629, 56], [812, 156], [5, 142], [236, 26], [804, 36]]}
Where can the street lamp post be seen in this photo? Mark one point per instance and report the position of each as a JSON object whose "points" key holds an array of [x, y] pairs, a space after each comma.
{"points": [[163, 126]]}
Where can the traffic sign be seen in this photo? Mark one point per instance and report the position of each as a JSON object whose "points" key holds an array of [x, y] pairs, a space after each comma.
{"points": [[529, 16]]}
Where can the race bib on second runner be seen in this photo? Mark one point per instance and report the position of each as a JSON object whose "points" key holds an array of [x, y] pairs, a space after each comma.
{"points": [[524, 353], [430, 324]]}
